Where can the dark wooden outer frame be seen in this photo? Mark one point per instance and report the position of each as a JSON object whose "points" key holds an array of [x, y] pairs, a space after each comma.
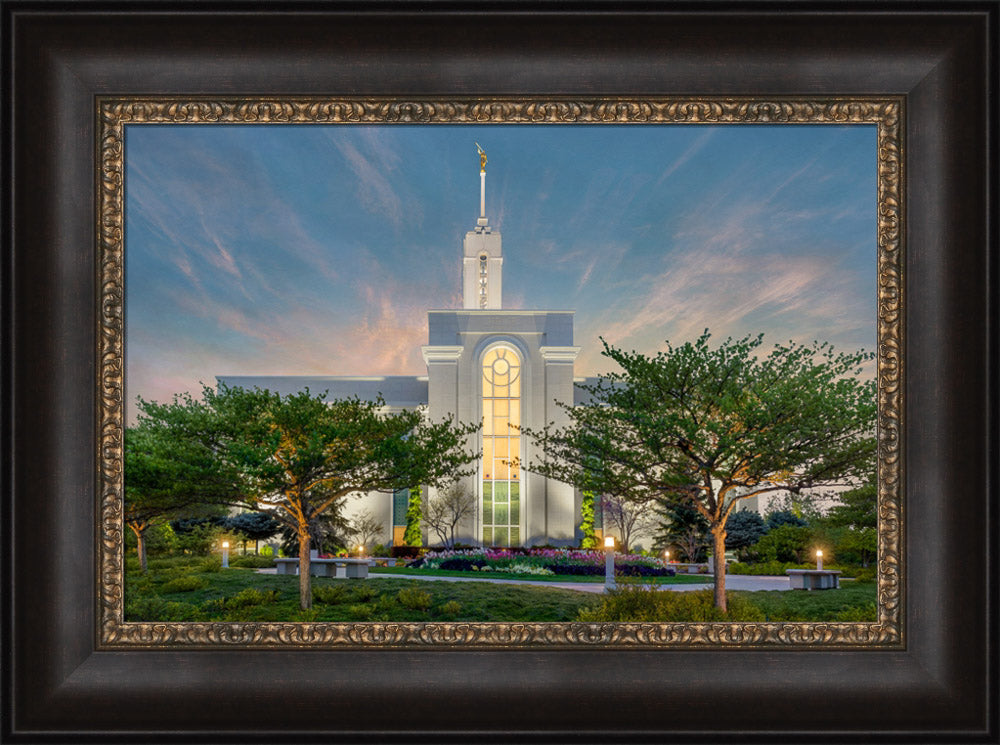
{"points": [[57, 687]]}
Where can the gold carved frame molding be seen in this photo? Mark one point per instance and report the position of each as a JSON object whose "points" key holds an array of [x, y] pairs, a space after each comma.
{"points": [[114, 114]]}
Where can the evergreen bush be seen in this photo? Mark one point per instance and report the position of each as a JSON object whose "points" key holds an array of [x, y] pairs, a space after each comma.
{"points": [[634, 603], [414, 599], [187, 583]]}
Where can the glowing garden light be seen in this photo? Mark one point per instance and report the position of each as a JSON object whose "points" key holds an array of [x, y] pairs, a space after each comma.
{"points": [[609, 562]]}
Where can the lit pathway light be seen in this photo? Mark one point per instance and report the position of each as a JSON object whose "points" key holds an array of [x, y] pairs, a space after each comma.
{"points": [[819, 559], [609, 562], [225, 554]]}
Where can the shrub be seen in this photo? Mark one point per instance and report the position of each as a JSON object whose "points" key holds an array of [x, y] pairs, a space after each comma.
{"points": [[405, 552], [765, 568], [360, 612], [187, 583], [414, 599], [365, 593], [451, 608], [250, 596], [784, 543], [866, 613], [329, 595], [146, 609], [176, 611], [621, 569], [462, 564], [865, 575], [209, 565], [252, 562], [640, 603]]}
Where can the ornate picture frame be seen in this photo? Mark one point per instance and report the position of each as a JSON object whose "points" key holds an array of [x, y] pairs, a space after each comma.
{"points": [[886, 114], [65, 674]]}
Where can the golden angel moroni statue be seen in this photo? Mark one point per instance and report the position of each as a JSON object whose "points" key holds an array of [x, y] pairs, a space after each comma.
{"points": [[482, 158]]}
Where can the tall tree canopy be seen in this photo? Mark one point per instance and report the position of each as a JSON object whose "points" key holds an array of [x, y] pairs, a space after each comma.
{"points": [[304, 453], [171, 469], [713, 425], [298, 455]]}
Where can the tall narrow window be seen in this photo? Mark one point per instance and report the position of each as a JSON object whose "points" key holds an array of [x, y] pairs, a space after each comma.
{"points": [[482, 281], [501, 447]]}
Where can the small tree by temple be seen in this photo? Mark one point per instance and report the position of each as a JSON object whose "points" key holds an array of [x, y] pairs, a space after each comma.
{"points": [[716, 425]]}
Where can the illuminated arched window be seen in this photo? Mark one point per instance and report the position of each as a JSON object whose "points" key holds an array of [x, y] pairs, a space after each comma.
{"points": [[501, 447]]}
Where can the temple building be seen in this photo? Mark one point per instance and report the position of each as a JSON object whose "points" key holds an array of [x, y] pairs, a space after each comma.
{"points": [[505, 368]]}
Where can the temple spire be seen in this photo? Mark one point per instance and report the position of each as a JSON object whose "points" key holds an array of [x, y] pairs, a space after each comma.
{"points": [[482, 185], [482, 260]]}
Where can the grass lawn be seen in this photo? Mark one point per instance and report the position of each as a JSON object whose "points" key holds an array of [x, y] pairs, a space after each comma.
{"points": [[185, 589], [245, 595], [680, 579], [854, 601]]}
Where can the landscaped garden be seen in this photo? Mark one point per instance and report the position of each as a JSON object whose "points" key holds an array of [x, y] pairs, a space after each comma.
{"points": [[186, 588], [542, 563]]}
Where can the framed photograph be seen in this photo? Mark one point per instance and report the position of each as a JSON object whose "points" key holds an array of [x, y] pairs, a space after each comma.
{"points": [[132, 150]]}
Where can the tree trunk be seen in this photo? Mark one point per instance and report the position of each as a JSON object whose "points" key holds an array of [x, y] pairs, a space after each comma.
{"points": [[305, 588], [719, 554], [140, 537]]}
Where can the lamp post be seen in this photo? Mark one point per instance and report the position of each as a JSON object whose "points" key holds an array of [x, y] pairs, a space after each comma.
{"points": [[666, 557], [609, 562], [819, 559], [225, 554]]}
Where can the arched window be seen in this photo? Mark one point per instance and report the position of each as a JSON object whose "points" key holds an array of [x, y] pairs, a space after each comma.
{"points": [[501, 447]]}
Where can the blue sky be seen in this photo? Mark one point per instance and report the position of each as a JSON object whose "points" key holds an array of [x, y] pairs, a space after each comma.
{"points": [[316, 250]]}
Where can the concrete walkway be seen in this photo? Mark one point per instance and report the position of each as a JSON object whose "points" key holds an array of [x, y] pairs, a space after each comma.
{"points": [[733, 582]]}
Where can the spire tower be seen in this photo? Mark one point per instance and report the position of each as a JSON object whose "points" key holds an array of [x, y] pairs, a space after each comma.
{"points": [[482, 258]]}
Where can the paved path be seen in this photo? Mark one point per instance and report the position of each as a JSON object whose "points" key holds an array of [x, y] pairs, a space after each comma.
{"points": [[733, 582]]}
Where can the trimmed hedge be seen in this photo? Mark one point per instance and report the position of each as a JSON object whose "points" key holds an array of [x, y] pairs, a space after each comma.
{"points": [[624, 570], [462, 564]]}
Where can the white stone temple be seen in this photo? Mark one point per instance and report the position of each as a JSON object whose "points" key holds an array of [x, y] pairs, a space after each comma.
{"points": [[504, 368]]}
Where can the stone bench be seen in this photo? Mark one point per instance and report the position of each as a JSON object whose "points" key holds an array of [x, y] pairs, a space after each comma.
{"points": [[682, 567], [340, 567], [813, 579]]}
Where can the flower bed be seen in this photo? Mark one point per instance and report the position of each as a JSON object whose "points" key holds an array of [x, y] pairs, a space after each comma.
{"points": [[545, 561]]}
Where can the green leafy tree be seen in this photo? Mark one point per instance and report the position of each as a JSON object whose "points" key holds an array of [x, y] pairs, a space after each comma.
{"points": [[589, 539], [169, 472], [414, 515], [787, 543], [300, 455], [717, 425], [857, 518], [857, 508]]}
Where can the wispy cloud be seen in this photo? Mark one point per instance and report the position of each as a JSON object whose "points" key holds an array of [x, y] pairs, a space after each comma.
{"points": [[375, 190], [684, 158]]}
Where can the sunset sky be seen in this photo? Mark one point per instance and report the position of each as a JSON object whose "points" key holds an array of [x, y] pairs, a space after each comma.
{"points": [[317, 250]]}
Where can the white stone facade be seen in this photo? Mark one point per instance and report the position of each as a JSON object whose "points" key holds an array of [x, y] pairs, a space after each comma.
{"points": [[534, 510]]}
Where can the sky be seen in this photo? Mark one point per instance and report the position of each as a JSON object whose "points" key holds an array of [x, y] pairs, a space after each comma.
{"points": [[317, 250]]}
